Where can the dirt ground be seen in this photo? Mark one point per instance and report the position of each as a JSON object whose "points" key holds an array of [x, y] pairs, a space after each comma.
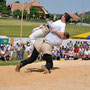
{"points": [[66, 75]]}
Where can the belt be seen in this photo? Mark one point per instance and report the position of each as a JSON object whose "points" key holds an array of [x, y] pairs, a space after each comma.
{"points": [[45, 26], [47, 42]]}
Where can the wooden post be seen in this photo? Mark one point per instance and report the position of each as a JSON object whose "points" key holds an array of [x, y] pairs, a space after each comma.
{"points": [[21, 22]]}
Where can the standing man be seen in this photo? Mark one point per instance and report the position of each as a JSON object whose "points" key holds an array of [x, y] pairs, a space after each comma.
{"points": [[54, 38]]}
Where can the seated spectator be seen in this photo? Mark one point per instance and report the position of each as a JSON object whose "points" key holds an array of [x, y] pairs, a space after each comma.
{"points": [[84, 45], [70, 45], [2, 54], [86, 54], [71, 54], [58, 56], [66, 49], [7, 55], [76, 44], [79, 44], [62, 55], [66, 58], [81, 52], [76, 52], [89, 53]]}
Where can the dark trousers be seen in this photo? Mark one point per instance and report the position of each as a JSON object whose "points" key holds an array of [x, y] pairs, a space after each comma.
{"points": [[49, 61], [47, 57], [31, 59]]}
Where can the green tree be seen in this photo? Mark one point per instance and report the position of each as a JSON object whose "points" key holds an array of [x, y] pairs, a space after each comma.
{"points": [[50, 16], [3, 2], [17, 13], [3, 8], [24, 14], [17, 2], [34, 12], [87, 19]]}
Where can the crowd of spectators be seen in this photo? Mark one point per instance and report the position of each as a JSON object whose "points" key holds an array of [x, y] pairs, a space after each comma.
{"points": [[6, 51], [79, 50]]}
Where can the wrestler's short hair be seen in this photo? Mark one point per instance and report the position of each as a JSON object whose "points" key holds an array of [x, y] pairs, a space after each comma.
{"points": [[66, 34], [67, 17]]}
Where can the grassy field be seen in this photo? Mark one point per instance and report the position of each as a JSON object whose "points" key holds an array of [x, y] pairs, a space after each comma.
{"points": [[11, 28], [14, 61], [75, 30]]}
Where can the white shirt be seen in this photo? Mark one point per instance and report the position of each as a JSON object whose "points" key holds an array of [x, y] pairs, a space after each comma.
{"points": [[52, 37], [86, 52], [58, 25]]}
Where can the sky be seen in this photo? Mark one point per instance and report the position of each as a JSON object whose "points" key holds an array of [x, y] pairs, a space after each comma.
{"points": [[62, 6]]}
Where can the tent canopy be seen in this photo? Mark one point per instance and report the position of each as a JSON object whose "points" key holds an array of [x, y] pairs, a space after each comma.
{"points": [[82, 36]]}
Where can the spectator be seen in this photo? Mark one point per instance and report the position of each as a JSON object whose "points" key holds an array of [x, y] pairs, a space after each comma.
{"points": [[11, 50], [70, 45], [2, 54], [84, 45], [58, 56], [15, 49], [76, 52], [18, 52], [66, 49], [71, 53], [86, 54], [22, 50], [7, 55], [89, 53], [28, 54], [66, 58], [76, 44], [81, 52]]}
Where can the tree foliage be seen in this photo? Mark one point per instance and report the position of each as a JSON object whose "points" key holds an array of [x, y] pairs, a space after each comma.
{"points": [[17, 13], [24, 14], [87, 19], [34, 12], [2, 1], [17, 2], [3, 8]]}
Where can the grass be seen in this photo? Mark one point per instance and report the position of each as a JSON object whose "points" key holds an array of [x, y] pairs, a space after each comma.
{"points": [[11, 28], [14, 61], [3, 63], [75, 30]]}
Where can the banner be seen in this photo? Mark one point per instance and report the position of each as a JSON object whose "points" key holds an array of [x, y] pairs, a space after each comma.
{"points": [[83, 13]]}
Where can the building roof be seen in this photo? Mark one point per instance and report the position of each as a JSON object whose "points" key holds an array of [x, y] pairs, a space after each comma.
{"points": [[15, 6], [33, 3], [74, 17]]}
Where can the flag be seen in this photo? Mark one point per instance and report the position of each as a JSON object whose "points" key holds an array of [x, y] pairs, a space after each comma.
{"points": [[83, 13]]}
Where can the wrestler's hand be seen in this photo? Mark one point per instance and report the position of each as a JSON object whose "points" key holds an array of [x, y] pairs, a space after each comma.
{"points": [[49, 21], [53, 30]]}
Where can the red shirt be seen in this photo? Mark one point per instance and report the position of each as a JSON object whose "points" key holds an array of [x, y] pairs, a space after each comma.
{"points": [[76, 50]]}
